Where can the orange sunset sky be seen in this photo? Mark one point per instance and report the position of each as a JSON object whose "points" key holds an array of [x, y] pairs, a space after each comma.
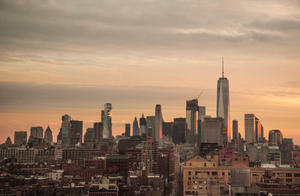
{"points": [[72, 56]]}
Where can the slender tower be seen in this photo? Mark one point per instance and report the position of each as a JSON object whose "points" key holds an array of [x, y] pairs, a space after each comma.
{"points": [[223, 106], [158, 123], [107, 124], [135, 127]]}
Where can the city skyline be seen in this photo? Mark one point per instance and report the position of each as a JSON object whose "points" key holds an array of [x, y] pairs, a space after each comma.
{"points": [[60, 58]]}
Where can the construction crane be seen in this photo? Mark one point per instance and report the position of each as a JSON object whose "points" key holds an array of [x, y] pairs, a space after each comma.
{"points": [[199, 95]]}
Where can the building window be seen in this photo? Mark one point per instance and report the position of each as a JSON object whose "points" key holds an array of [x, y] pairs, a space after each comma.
{"points": [[195, 182], [204, 164], [200, 182], [223, 173], [280, 174], [189, 178], [212, 157], [289, 180], [288, 175], [200, 187], [296, 174]]}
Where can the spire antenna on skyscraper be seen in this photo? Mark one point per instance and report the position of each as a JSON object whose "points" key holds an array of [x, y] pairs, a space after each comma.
{"points": [[222, 67]]}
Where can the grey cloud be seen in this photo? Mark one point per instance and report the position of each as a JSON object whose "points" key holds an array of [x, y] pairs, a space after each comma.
{"points": [[19, 96], [132, 25]]}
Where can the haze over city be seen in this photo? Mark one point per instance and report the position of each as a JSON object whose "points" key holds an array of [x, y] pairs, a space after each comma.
{"points": [[72, 57]]}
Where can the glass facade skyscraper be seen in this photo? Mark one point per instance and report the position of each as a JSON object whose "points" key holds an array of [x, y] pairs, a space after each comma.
{"points": [[191, 120], [223, 106]]}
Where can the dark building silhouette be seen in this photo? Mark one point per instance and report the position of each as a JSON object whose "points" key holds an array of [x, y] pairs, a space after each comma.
{"points": [[135, 127], [78, 127], [167, 128], [235, 129], [127, 130], [179, 130], [98, 131]]}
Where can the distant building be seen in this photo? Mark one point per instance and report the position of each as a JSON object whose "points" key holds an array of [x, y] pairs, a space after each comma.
{"points": [[37, 132], [150, 155], [250, 135], [275, 137], [179, 130], [223, 103], [127, 130], [235, 130], [213, 131], [158, 123], [48, 135], [89, 135], [20, 137], [286, 149], [135, 127], [107, 122], [143, 125], [65, 129], [167, 128], [151, 123], [201, 114], [258, 133], [191, 120], [98, 131], [78, 127]]}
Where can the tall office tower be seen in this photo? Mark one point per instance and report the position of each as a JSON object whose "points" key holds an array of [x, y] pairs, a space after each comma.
{"points": [[151, 123], [167, 128], [179, 130], [102, 115], [89, 135], [107, 126], [275, 137], [48, 135], [135, 127], [78, 127], [201, 114], [150, 155], [98, 131], [20, 137], [65, 129], [250, 135], [37, 132], [262, 131], [158, 123], [235, 130], [223, 105], [257, 129], [286, 149], [143, 125], [127, 130], [191, 120], [213, 131]]}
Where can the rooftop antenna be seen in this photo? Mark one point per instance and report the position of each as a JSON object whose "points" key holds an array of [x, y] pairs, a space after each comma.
{"points": [[222, 67]]}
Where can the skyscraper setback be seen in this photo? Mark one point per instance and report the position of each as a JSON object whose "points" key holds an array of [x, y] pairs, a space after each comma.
{"points": [[223, 106]]}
